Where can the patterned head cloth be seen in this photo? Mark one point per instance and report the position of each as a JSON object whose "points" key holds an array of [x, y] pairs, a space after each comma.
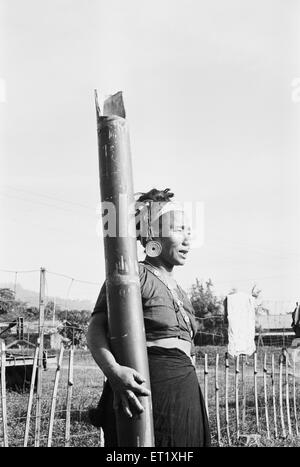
{"points": [[147, 214]]}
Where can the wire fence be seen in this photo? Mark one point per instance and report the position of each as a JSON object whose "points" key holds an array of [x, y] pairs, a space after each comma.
{"points": [[246, 398], [47, 388]]}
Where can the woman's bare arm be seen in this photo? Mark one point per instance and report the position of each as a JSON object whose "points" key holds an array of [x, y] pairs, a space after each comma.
{"points": [[125, 382]]}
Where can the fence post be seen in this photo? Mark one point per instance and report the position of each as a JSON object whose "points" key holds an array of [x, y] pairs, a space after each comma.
{"points": [[217, 399], [255, 392], [206, 384], [280, 398], [287, 395], [243, 392], [226, 398], [237, 411], [30, 399], [69, 398], [294, 398], [3, 394], [266, 395], [54, 395], [274, 396], [40, 358]]}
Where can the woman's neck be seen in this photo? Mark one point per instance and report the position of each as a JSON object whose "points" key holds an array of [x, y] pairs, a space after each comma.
{"points": [[159, 263]]}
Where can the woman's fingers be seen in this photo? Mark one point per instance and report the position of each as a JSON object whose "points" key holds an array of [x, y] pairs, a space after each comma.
{"points": [[134, 402], [125, 405]]}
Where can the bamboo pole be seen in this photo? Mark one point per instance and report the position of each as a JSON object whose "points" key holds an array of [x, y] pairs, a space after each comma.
{"points": [[255, 392], [280, 398], [31, 392], [125, 310], [287, 396], [226, 399], [206, 384], [274, 396], [237, 411], [54, 395], [3, 394], [69, 398], [294, 398], [265, 370], [243, 392], [38, 414], [217, 399]]}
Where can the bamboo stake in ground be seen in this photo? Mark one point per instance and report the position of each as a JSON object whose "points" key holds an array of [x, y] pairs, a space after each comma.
{"points": [[3, 394], [69, 398], [280, 398], [294, 398], [31, 391], [226, 399], [54, 395], [255, 392], [237, 411], [217, 399], [266, 396], [287, 396], [274, 396], [38, 414], [206, 384], [243, 392]]}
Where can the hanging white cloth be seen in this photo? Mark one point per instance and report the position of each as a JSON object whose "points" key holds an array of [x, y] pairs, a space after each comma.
{"points": [[241, 323]]}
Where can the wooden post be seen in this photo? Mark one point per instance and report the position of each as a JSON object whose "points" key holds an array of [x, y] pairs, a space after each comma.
{"points": [[3, 394], [54, 395], [30, 399], [206, 384], [243, 392], [125, 310], [217, 400], [266, 396], [38, 414], [69, 398], [295, 398], [226, 399], [237, 410], [274, 397], [287, 396], [281, 399], [255, 392]]}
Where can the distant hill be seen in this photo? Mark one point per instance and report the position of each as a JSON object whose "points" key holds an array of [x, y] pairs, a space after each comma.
{"points": [[32, 298]]}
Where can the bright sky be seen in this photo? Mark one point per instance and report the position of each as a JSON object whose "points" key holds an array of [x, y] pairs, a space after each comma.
{"points": [[208, 92]]}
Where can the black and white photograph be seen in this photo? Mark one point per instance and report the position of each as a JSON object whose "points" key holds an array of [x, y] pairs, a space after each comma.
{"points": [[150, 225]]}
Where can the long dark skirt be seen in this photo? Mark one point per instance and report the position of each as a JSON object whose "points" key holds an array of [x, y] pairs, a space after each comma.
{"points": [[179, 413]]}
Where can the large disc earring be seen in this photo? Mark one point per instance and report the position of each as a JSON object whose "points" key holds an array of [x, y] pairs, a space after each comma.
{"points": [[153, 249]]}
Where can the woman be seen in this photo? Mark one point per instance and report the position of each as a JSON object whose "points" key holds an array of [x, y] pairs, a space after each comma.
{"points": [[179, 414]]}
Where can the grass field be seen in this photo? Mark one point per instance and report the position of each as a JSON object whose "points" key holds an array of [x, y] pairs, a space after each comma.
{"points": [[88, 381]]}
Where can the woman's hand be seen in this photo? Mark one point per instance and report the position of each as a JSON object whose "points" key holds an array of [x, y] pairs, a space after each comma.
{"points": [[127, 385]]}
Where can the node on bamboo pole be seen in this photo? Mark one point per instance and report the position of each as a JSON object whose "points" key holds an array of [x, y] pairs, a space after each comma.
{"points": [[69, 397], [125, 313]]}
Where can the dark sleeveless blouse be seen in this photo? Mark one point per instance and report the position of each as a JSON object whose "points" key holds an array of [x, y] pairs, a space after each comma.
{"points": [[162, 316]]}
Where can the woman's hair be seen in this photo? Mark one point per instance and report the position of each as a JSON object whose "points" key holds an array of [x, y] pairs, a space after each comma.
{"points": [[156, 195], [152, 195]]}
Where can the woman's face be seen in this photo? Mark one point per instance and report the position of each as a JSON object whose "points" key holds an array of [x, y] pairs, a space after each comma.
{"points": [[175, 238]]}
